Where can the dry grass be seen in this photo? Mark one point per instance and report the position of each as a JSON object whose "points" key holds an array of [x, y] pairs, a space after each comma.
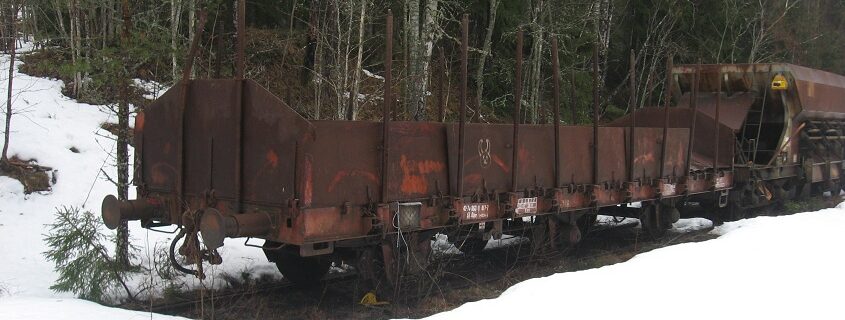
{"points": [[33, 177]]}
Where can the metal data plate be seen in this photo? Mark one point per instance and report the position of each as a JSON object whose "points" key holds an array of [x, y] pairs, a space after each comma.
{"points": [[476, 211], [526, 206]]}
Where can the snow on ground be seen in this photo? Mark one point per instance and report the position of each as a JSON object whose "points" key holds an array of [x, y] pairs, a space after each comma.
{"points": [[691, 224], [45, 126], [787, 267], [441, 244], [59, 309]]}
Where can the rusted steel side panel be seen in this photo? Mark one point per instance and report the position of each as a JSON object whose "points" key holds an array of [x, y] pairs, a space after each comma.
{"points": [[681, 118], [342, 163], [161, 146], [704, 145], [611, 155], [646, 153], [487, 156], [210, 137], [536, 156], [818, 171], [418, 163], [676, 152], [732, 109], [819, 91], [575, 154], [269, 146], [321, 224]]}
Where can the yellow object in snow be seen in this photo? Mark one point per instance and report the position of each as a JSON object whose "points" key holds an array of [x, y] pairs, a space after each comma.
{"points": [[779, 83], [370, 299]]}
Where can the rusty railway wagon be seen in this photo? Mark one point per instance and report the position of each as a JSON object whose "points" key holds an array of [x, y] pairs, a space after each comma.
{"points": [[226, 158]]}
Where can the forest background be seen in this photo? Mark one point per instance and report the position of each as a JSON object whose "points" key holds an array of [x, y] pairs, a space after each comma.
{"points": [[325, 58]]}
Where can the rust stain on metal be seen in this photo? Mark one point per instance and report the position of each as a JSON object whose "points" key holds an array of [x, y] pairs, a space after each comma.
{"points": [[308, 188], [341, 175], [139, 121], [272, 158], [501, 163], [413, 174]]}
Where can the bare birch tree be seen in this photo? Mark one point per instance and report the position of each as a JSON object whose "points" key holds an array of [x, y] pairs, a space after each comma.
{"points": [[175, 14], [421, 36], [534, 81], [352, 112], [485, 51], [12, 19], [122, 251]]}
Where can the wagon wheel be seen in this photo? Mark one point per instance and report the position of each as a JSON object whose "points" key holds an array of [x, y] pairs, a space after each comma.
{"points": [[392, 266], [538, 234], [371, 270], [471, 245], [468, 239], [565, 233], [652, 221], [299, 270], [567, 236], [586, 223]]}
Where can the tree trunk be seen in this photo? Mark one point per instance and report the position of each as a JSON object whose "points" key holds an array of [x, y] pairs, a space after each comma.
{"points": [[73, 56], [289, 35], [536, 62], [122, 251], [342, 49], [603, 15], [318, 65], [24, 29], [104, 20], [175, 14], [485, 50], [34, 20], [60, 19], [218, 43], [352, 112], [12, 49], [311, 45], [192, 20], [78, 44], [421, 38], [412, 29]]}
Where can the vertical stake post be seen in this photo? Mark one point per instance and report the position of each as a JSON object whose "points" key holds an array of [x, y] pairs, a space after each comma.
{"points": [[463, 104], [595, 114], [556, 108], [632, 106], [239, 75], [441, 94], [572, 107], [241, 42], [388, 101], [716, 126], [517, 99], [666, 102], [185, 87], [694, 106]]}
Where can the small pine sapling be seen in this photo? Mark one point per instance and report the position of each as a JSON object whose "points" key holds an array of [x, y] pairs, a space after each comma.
{"points": [[85, 267]]}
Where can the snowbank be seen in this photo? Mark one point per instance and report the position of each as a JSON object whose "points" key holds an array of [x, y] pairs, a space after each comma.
{"points": [[786, 267], [46, 126], [60, 309]]}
